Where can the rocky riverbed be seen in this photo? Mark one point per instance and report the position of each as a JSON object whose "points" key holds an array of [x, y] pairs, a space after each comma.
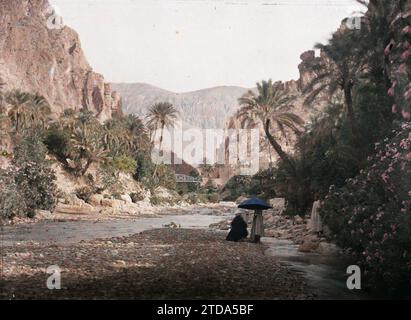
{"points": [[157, 264]]}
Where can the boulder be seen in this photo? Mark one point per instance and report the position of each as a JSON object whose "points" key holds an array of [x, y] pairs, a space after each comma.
{"points": [[309, 244], [278, 204], [96, 199], [126, 198], [327, 248], [71, 199], [129, 208], [113, 203], [298, 220], [70, 209], [44, 214]]}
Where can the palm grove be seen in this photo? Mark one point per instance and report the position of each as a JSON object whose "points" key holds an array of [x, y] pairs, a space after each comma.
{"points": [[78, 141]]}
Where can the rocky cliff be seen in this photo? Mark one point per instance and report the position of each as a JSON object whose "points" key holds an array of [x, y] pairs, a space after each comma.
{"points": [[213, 107], [49, 61]]}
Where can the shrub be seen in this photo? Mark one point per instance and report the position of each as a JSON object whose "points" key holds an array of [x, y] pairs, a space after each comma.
{"points": [[156, 201], [236, 187], [165, 177], [202, 198], [136, 197], [214, 198], [124, 164], [191, 198], [109, 178], [84, 193], [371, 215], [58, 143], [12, 201], [144, 167], [34, 177], [28, 185]]}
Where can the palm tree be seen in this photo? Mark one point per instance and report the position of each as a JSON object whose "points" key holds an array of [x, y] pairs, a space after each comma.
{"points": [[137, 132], [340, 74], [115, 138], [87, 144], [68, 119], [18, 101], [160, 116], [4, 119], [40, 110], [271, 106]]}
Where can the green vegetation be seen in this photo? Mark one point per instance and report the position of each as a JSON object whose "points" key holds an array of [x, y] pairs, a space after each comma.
{"points": [[28, 185], [96, 153], [355, 155]]}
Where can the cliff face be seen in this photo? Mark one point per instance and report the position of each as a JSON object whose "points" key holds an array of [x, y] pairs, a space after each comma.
{"points": [[49, 61]]}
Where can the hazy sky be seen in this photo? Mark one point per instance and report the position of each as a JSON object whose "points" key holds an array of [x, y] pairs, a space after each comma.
{"points": [[184, 45]]}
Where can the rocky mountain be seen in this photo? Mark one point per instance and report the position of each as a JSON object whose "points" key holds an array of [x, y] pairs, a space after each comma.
{"points": [[213, 107], [208, 108], [39, 56]]}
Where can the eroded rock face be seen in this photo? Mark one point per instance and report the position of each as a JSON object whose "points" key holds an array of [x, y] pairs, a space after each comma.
{"points": [[49, 62]]}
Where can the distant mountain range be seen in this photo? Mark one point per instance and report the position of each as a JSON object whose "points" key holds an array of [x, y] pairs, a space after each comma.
{"points": [[208, 108]]}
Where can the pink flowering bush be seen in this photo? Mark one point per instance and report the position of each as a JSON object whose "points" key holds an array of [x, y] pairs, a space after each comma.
{"points": [[399, 53], [371, 215]]}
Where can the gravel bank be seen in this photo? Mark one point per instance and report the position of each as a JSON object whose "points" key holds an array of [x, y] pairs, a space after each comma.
{"points": [[156, 264]]}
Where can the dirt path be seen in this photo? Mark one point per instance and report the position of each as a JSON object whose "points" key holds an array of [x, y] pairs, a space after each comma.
{"points": [[156, 264]]}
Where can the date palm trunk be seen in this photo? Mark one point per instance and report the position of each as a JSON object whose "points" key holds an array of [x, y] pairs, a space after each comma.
{"points": [[351, 114], [284, 156], [161, 144]]}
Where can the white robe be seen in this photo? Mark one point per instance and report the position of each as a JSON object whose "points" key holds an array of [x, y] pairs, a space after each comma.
{"points": [[316, 223], [258, 226]]}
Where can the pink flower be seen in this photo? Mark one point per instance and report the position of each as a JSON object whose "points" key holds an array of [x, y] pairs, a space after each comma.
{"points": [[394, 108], [407, 94], [406, 115], [405, 55], [391, 91], [385, 177], [402, 68], [407, 29]]}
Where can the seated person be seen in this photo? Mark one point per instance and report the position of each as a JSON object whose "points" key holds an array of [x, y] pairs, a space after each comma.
{"points": [[238, 229]]}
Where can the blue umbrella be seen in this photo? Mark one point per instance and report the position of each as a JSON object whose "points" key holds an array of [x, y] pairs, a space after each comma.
{"points": [[254, 204]]}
